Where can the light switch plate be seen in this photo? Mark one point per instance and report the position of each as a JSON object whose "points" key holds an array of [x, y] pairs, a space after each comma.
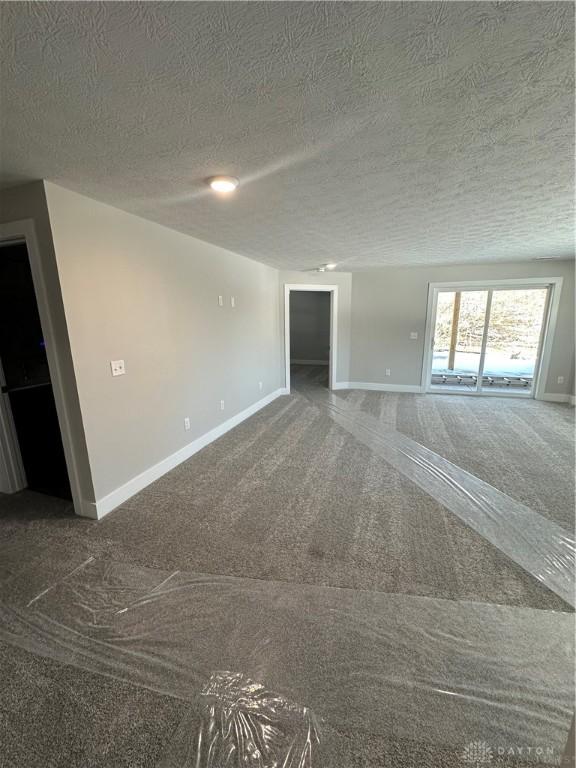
{"points": [[232, 301], [413, 334], [118, 368], [220, 301]]}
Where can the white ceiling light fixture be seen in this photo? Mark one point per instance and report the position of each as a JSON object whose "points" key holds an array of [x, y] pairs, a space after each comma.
{"points": [[331, 266], [223, 184]]}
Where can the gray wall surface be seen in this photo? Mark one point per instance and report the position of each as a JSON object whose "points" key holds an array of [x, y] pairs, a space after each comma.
{"points": [[343, 315], [137, 291], [388, 304], [310, 325], [28, 202]]}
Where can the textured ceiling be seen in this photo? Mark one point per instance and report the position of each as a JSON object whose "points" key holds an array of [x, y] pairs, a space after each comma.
{"points": [[363, 133]]}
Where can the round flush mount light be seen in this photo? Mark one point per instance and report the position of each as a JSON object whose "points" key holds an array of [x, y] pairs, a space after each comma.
{"points": [[331, 266], [223, 184]]}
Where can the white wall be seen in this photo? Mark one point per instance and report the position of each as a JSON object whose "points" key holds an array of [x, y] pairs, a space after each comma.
{"points": [[388, 304], [344, 282], [310, 326], [137, 291]]}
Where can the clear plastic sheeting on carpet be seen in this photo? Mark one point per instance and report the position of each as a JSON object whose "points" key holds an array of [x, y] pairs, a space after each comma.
{"points": [[28, 571], [243, 725], [328, 665], [542, 548]]}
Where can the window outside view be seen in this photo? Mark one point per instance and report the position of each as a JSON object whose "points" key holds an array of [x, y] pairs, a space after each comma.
{"points": [[512, 338]]}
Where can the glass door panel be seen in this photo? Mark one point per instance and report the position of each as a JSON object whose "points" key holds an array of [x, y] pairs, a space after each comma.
{"points": [[458, 334], [513, 339]]}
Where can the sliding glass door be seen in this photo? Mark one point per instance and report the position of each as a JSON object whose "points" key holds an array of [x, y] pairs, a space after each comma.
{"points": [[514, 338], [487, 340], [460, 321]]}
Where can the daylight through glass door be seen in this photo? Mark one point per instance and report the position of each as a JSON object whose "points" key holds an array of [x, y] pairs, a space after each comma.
{"points": [[488, 340]]}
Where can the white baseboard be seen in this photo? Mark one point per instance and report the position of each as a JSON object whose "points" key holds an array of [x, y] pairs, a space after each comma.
{"points": [[553, 397], [309, 362], [377, 387], [106, 504]]}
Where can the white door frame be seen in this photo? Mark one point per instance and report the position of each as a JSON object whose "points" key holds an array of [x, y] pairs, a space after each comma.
{"points": [[554, 286], [12, 475], [25, 231], [333, 290]]}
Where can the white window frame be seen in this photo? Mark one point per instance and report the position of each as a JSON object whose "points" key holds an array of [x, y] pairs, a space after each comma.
{"points": [[554, 286]]}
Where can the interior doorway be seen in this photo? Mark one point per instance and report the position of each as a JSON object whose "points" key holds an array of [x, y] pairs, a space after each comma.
{"points": [[487, 338], [28, 417], [310, 334]]}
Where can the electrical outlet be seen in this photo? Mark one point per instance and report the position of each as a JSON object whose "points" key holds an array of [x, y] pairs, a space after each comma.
{"points": [[221, 405], [260, 385], [413, 334], [232, 301], [387, 371], [220, 301], [118, 368], [560, 379], [186, 423]]}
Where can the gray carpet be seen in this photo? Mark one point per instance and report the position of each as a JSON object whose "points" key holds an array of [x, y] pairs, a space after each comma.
{"points": [[290, 496], [57, 716], [521, 446]]}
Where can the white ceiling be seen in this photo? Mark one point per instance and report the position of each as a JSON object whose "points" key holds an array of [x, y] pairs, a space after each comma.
{"points": [[364, 133]]}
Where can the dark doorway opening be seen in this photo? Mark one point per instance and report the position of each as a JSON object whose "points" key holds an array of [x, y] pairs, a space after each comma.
{"points": [[310, 337], [27, 383]]}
